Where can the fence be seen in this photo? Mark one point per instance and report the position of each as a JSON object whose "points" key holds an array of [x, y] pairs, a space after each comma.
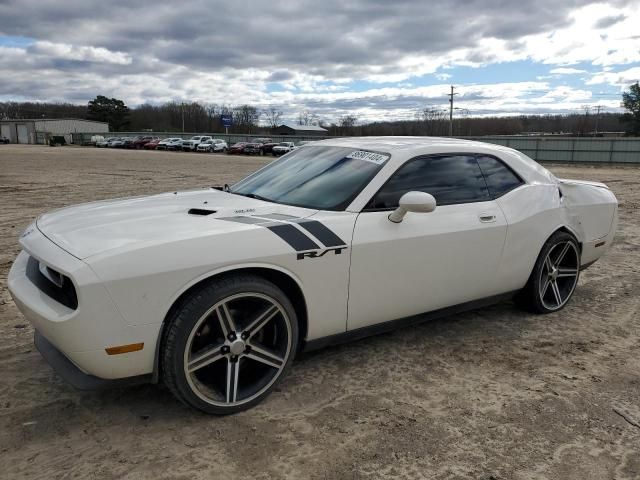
{"points": [[540, 148], [572, 149]]}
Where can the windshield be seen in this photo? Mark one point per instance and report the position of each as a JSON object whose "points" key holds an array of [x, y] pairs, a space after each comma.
{"points": [[323, 178]]}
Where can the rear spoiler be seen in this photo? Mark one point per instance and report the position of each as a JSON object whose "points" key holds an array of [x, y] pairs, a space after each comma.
{"points": [[567, 181]]}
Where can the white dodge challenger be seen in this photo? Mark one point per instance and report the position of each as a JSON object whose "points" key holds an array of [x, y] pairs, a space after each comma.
{"points": [[214, 291]]}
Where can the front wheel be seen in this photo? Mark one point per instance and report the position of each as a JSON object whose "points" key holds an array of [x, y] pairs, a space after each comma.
{"points": [[555, 275], [228, 344]]}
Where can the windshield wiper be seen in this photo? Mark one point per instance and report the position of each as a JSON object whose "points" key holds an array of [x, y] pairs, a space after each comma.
{"points": [[253, 195]]}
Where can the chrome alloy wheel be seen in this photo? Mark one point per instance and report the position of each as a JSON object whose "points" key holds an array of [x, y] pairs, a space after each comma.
{"points": [[559, 275], [237, 349]]}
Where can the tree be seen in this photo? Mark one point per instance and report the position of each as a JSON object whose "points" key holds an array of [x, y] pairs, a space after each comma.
{"points": [[631, 103], [110, 110], [273, 116]]}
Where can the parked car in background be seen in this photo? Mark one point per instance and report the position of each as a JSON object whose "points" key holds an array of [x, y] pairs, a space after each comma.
{"points": [[213, 145], [253, 149], [282, 148], [219, 145], [152, 145], [118, 142], [104, 143], [237, 147], [4, 140], [166, 142], [205, 146], [266, 145], [128, 141], [140, 142], [192, 144]]}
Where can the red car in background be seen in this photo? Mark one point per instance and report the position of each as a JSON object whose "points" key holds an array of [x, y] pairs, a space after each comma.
{"points": [[142, 141], [237, 147], [152, 145]]}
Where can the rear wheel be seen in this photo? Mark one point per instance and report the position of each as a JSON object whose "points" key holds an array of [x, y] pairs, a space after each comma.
{"points": [[555, 275], [229, 344]]}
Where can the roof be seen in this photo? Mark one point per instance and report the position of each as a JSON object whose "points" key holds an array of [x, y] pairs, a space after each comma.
{"points": [[403, 148], [303, 128], [48, 120]]}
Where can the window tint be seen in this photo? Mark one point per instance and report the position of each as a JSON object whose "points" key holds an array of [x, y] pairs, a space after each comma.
{"points": [[500, 179], [450, 179]]}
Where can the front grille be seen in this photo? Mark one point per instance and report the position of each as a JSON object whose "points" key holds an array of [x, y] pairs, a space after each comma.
{"points": [[61, 290]]}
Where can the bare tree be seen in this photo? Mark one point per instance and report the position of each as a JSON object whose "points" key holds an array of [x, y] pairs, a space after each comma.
{"points": [[273, 116], [307, 118]]}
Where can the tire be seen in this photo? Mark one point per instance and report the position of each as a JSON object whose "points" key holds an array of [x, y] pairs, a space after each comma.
{"points": [[554, 276], [228, 344]]}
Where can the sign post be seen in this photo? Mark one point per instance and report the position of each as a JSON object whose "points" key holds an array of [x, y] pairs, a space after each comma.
{"points": [[227, 121]]}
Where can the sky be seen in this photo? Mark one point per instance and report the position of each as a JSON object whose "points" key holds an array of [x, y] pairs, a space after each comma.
{"points": [[377, 60]]}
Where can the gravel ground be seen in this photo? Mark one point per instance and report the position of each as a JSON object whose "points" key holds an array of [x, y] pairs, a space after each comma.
{"points": [[490, 394]]}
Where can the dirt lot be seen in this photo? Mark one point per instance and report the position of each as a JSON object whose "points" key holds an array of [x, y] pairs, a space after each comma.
{"points": [[491, 394]]}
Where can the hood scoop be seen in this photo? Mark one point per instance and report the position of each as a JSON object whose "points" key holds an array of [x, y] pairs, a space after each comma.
{"points": [[200, 211]]}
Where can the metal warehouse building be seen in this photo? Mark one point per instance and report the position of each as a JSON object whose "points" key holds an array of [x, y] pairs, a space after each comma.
{"points": [[38, 130], [300, 130]]}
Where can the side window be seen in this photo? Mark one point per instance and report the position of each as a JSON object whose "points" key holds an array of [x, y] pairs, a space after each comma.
{"points": [[450, 179], [500, 179]]}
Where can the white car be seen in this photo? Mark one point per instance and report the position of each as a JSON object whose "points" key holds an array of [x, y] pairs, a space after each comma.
{"points": [[212, 145], [106, 142], [214, 291], [282, 148], [192, 144]]}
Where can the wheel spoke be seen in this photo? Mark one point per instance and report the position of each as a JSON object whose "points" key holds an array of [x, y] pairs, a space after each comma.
{"points": [[233, 372], [548, 264], [263, 355], [545, 287], [562, 253], [567, 272], [225, 319], [209, 356], [261, 321], [556, 292]]}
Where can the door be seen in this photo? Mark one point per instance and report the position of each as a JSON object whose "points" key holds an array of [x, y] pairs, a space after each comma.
{"points": [[23, 136], [429, 260], [5, 131]]}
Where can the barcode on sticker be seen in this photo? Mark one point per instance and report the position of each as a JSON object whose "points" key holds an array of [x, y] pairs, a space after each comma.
{"points": [[372, 157]]}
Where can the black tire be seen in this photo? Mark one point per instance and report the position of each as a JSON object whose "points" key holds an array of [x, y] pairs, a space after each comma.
{"points": [[197, 320], [551, 285]]}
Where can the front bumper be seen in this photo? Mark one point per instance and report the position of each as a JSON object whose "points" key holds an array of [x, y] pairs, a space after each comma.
{"points": [[82, 334], [75, 377]]}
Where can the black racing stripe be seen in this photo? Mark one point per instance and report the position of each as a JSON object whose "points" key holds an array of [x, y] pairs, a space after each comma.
{"points": [[294, 237], [321, 232], [250, 220]]}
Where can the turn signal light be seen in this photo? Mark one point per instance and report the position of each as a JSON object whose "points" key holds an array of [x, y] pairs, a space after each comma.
{"points": [[133, 347]]}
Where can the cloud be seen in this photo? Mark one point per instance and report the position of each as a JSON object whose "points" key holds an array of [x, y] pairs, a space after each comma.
{"points": [[331, 56], [566, 71]]}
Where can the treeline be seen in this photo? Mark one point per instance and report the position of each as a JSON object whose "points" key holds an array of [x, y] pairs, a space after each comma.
{"points": [[438, 125], [198, 117]]}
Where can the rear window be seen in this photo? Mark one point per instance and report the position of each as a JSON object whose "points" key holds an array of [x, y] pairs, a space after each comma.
{"points": [[500, 178]]}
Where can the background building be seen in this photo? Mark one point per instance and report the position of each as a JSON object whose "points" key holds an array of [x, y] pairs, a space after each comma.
{"points": [[38, 130], [301, 130]]}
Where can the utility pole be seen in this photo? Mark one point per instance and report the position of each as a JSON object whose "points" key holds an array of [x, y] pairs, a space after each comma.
{"points": [[598, 108], [182, 111], [451, 111]]}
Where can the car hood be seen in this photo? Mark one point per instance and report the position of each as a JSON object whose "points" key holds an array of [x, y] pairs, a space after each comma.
{"points": [[94, 228]]}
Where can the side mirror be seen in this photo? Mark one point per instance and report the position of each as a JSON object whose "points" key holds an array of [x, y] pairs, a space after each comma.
{"points": [[419, 202]]}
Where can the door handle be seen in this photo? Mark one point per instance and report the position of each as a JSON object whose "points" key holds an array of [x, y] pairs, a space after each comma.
{"points": [[487, 218]]}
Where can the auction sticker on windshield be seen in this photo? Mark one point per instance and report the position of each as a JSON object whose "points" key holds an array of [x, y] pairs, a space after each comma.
{"points": [[372, 157]]}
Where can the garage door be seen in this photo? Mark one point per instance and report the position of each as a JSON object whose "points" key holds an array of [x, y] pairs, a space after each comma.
{"points": [[4, 131], [23, 136]]}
